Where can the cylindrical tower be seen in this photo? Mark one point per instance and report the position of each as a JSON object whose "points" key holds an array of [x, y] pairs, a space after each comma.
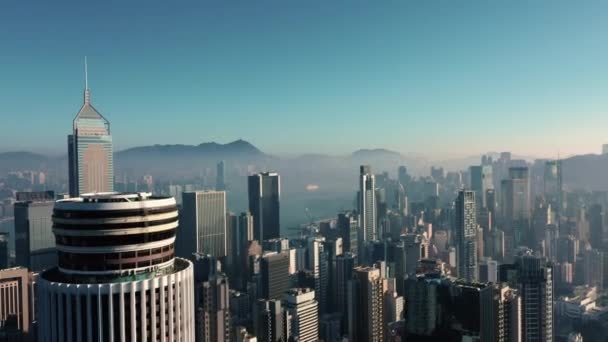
{"points": [[118, 278]]}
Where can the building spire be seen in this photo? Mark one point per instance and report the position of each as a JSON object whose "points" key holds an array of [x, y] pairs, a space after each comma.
{"points": [[87, 92]]}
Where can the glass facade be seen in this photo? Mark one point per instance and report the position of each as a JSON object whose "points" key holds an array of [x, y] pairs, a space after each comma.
{"points": [[90, 152]]}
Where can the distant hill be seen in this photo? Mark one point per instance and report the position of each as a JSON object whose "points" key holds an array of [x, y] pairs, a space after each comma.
{"points": [[174, 162], [184, 161], [588, 172], [236, 148], [10, 161]]}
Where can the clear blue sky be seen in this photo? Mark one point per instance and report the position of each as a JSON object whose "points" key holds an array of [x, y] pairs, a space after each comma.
{"points": [[440, 78]]}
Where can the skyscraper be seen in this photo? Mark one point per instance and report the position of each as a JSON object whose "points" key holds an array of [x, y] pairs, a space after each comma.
{"points": [[516, 204], [402, 176], [596, 226], [518, 194], [116, 281], [220, 177], [552, 184], [90, 155], [348, 227], [264, 197], [274, 268], [303, 313], [533, 277], [481, 181], [269, 320], [15, 301], [466, 238], [501, 319], [366, 305], [367, 204], [203, 224], [34, 240], [213, 310], [345, 264], [4, 250]]}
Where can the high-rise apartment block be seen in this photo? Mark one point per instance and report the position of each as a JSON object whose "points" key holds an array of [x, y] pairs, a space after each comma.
{"points": [[466, 235]]}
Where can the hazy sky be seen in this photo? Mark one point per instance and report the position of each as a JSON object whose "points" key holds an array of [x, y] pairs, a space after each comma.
{"points": [[440, 78]]}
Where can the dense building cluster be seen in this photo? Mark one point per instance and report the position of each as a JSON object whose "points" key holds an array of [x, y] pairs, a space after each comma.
{"points": [[503, 252]]}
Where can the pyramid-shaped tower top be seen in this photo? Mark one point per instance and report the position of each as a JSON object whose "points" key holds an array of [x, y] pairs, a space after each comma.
{"points": [[88, 116]]}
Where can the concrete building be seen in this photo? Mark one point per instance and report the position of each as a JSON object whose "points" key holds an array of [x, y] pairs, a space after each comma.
{"points": [[203, 224], [304, 314], [274, 270], [269, 320], [501, 314], [34, 239], [118, 278], [366, 305], [213, 310], [15, 317], [533, 277]]}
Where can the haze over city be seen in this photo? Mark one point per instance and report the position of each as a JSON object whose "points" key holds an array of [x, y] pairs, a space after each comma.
{"points": [[303, 171], [455, 78]]}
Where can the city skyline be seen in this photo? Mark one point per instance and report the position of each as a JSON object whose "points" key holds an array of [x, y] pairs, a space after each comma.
{"points": [[451, 67]]}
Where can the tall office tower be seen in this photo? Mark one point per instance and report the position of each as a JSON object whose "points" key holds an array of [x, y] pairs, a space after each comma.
{"points": [[220, 177], [274, 268], [367, 205], [491, 202], [241, 235], [90, 155], [264, 198], [345, 264], [501, 319], [403, 177], [516, 203], [348, 227], [415, 247], [551, 242], [118, 278], [552, 184], [317, 264], [213, 310], [366, 305], [488, 271], [533, 277], [15, 299], [34, 240], [393, 307], [593, 260], [4, 262], [331, 250], [302, 308], [269, 320], [466, 239], [203, 224], [596, 226], [481, 181], [421, 301], [437, 173]]}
